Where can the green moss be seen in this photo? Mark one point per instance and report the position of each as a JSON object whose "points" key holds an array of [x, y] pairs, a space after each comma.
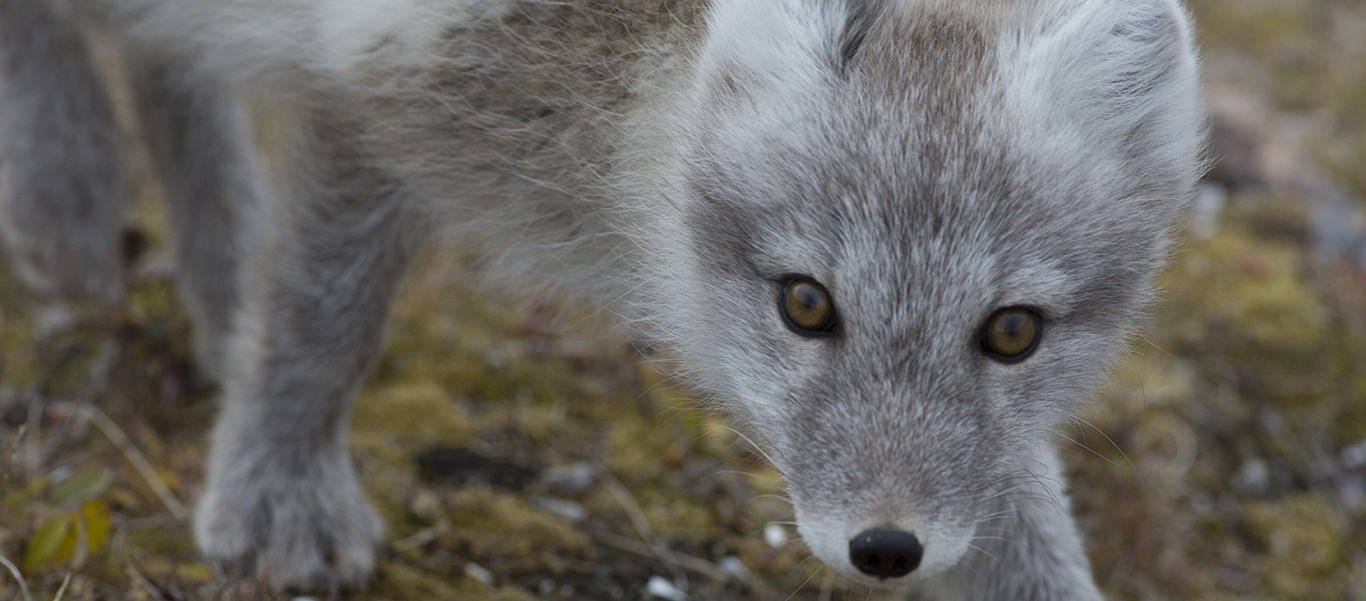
{"points": [[398, 419], [1302, 541], [1249, 290], [503, 532]]}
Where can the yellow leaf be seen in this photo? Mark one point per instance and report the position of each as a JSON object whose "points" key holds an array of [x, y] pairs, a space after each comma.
{"points": [[96, 516]]}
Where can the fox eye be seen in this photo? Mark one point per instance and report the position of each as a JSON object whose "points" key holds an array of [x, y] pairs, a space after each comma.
{"points": [[807, 307], [1010, 335]]}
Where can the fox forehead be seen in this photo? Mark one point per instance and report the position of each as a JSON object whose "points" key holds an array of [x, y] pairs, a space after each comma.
{"points": [[924, 144]]}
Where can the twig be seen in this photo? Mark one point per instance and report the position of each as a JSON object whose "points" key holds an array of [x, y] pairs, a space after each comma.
{"points": [[140, 463], [641, 524], [14, 571], [415, 540], [12, 457], [688, 562], [61, 592], [144, 582], [33, 452], [828, 585]]}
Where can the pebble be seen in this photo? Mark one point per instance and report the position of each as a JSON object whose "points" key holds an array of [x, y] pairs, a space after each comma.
{"points": [[569, 479], [478, 572], [1253, 477], [659, 587], [568, 510], [1352, 491], [1354, 456], [775, 535], [734, 567]]}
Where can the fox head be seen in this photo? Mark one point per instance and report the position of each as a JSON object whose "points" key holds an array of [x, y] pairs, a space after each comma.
{"points": [[914, 234]]}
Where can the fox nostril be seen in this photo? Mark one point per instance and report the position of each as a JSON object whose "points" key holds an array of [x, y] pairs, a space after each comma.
{"points": [[885, 553]]}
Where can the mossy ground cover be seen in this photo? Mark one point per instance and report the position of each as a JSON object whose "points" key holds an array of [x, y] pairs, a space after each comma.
{"points": [[519, 453]]}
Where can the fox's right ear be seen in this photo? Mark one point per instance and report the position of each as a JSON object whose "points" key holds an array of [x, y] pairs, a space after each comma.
{"points": [[767, 48], [1124, 73]]}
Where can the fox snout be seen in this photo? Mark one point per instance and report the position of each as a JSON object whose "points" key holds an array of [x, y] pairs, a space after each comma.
{"points": [[885, 553], [881, 549]]}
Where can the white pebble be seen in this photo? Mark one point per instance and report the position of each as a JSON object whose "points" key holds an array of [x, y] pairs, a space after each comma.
{"points": [[659, 587], [775, 535], [734, 567], [1253, 477], [568, 510], [568, 479], [478, 572], [1355, 456]]}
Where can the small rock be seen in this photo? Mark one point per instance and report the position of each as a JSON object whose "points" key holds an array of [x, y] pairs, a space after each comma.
{"points": [[775, 535], [568, 510], [734, 567], [659, 587], [570, 479], [51, 319], [1354, 456], [478, 572], [426, 505], [1352, 491], [1253, 477]]}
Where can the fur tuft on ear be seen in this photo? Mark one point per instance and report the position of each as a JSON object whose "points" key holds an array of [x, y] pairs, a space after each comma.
{"points": [[775, 46], [1122, 73]]}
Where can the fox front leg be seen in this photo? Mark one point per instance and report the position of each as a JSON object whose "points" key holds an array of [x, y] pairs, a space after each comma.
{"points": [[282, 498]]}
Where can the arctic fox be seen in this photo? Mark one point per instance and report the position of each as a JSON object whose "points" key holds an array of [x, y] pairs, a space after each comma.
{"points": [[898, 240]]}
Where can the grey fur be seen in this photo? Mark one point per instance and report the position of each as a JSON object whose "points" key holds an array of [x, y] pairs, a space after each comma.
{"points": [[197, 134], [928, 161], [281, 488], [61, 179]]}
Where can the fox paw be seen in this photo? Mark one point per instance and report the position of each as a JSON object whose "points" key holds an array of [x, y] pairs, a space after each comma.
{"points": [[297, 533]]}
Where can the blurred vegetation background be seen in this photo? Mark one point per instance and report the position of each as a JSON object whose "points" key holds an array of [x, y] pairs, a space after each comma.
{"points": [[517, 457]]}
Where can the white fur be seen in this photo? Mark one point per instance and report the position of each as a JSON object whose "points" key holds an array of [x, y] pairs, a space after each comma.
{"points": [[987, 155]]}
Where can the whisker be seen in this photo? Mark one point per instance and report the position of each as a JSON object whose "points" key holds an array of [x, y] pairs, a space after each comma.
{"points": [[1088, 449], [1117, 448], [983, 552], [782, 498], [803, 584], [730, 473], [756, 446], [1052, 497], [1004, 540]]}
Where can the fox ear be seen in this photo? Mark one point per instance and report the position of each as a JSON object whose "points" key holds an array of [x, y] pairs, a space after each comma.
{"points": [[771, 47], [1124, 73]]}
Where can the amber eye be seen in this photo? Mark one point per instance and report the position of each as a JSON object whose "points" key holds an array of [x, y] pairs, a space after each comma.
{"points": [[807, 307], [1010, 335]]}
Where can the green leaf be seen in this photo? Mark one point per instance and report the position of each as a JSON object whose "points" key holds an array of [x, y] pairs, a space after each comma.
{"points": [[28, 491], [82, 486], [47, 544]]}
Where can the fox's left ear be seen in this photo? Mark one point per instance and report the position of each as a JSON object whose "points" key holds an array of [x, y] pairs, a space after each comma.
{"points": [[1124, 73]]}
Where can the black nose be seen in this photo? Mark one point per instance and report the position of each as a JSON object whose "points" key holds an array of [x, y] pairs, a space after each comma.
{"points": [[885, 553]]}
